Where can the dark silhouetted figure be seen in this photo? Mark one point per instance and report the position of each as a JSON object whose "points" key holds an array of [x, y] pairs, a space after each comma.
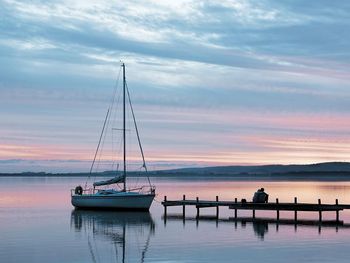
{"points": [[260, 196]]}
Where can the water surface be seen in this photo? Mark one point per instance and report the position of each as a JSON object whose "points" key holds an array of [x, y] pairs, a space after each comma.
{"points": [[38, 224]]}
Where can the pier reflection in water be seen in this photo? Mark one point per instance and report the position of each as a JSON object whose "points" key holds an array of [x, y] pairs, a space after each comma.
{"points": [[123, 231], [260, 229], [260, 226]]}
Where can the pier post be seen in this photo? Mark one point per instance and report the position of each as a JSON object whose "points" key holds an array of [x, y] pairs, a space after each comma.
{"points": [[337, 212], [165, 206], [278, 211], [217, 207], [254, 213], [197, 199], [319, 211], [236, 208], [183, 207], [165, 210], [295, 211]]}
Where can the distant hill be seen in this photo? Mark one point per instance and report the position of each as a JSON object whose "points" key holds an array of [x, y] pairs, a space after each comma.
{"points": [[329, 170], [329, 167]]}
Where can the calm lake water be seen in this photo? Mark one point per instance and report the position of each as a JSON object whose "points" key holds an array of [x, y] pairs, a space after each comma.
{"points": [[38, 224]]}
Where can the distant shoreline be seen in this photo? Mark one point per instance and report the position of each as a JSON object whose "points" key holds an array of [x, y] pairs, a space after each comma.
{"points": [[302, 176], [321, 171]]}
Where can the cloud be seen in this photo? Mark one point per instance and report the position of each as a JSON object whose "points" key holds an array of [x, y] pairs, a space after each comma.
{"points": [[218, 32], [198, 71]]}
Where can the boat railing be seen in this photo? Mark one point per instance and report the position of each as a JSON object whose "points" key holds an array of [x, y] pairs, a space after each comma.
{"points": [[85, 191], [144, 189]]}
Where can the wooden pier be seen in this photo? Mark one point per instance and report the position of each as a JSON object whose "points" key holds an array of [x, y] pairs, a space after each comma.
{"points": [[236, 205]]}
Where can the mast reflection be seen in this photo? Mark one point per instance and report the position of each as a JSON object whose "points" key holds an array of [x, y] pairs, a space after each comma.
{"points": [[120, 229]]}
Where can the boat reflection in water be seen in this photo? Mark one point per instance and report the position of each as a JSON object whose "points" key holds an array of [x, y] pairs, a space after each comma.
{"points": [[124, 231]]}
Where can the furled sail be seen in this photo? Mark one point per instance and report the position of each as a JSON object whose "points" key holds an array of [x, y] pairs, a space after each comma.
{"points": [[115, 180]]}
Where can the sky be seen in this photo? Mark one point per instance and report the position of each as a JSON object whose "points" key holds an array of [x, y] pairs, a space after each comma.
{"points": [[212, 82]]}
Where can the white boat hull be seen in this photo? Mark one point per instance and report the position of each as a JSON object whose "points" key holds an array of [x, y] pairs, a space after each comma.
{"points": [[118, 201]]}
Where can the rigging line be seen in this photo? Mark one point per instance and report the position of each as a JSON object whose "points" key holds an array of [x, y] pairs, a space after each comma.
{"points": [[95, 231], [112, 165], [115, 148], [102, 145], [116, 88], [104, 124], [115, 101], [144, 251], [112, 102], [91, 251], [100, 154], [98, 146], [118, 152], [137, 133]]}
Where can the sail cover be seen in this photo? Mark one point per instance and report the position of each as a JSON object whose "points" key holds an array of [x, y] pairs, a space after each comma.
{"points": [[115, 180]]}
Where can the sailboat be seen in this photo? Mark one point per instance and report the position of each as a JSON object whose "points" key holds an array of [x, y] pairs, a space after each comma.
{"points": [[121, 198]]}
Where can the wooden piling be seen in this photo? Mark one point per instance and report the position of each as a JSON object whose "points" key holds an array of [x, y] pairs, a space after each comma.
{"points": [[253, 213], [295, 211], [337, 212], [165, 207], [277, 211], [235, 208], [165, 211], [184, 207], [319, 211], [197, 199], [217, 208]]}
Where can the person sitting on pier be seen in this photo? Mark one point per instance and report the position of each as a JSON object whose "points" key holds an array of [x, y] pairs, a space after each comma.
{"points": [[260, 196]]}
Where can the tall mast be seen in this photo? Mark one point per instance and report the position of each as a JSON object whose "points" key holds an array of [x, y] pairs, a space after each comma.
{"points": [[124, 134]]}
